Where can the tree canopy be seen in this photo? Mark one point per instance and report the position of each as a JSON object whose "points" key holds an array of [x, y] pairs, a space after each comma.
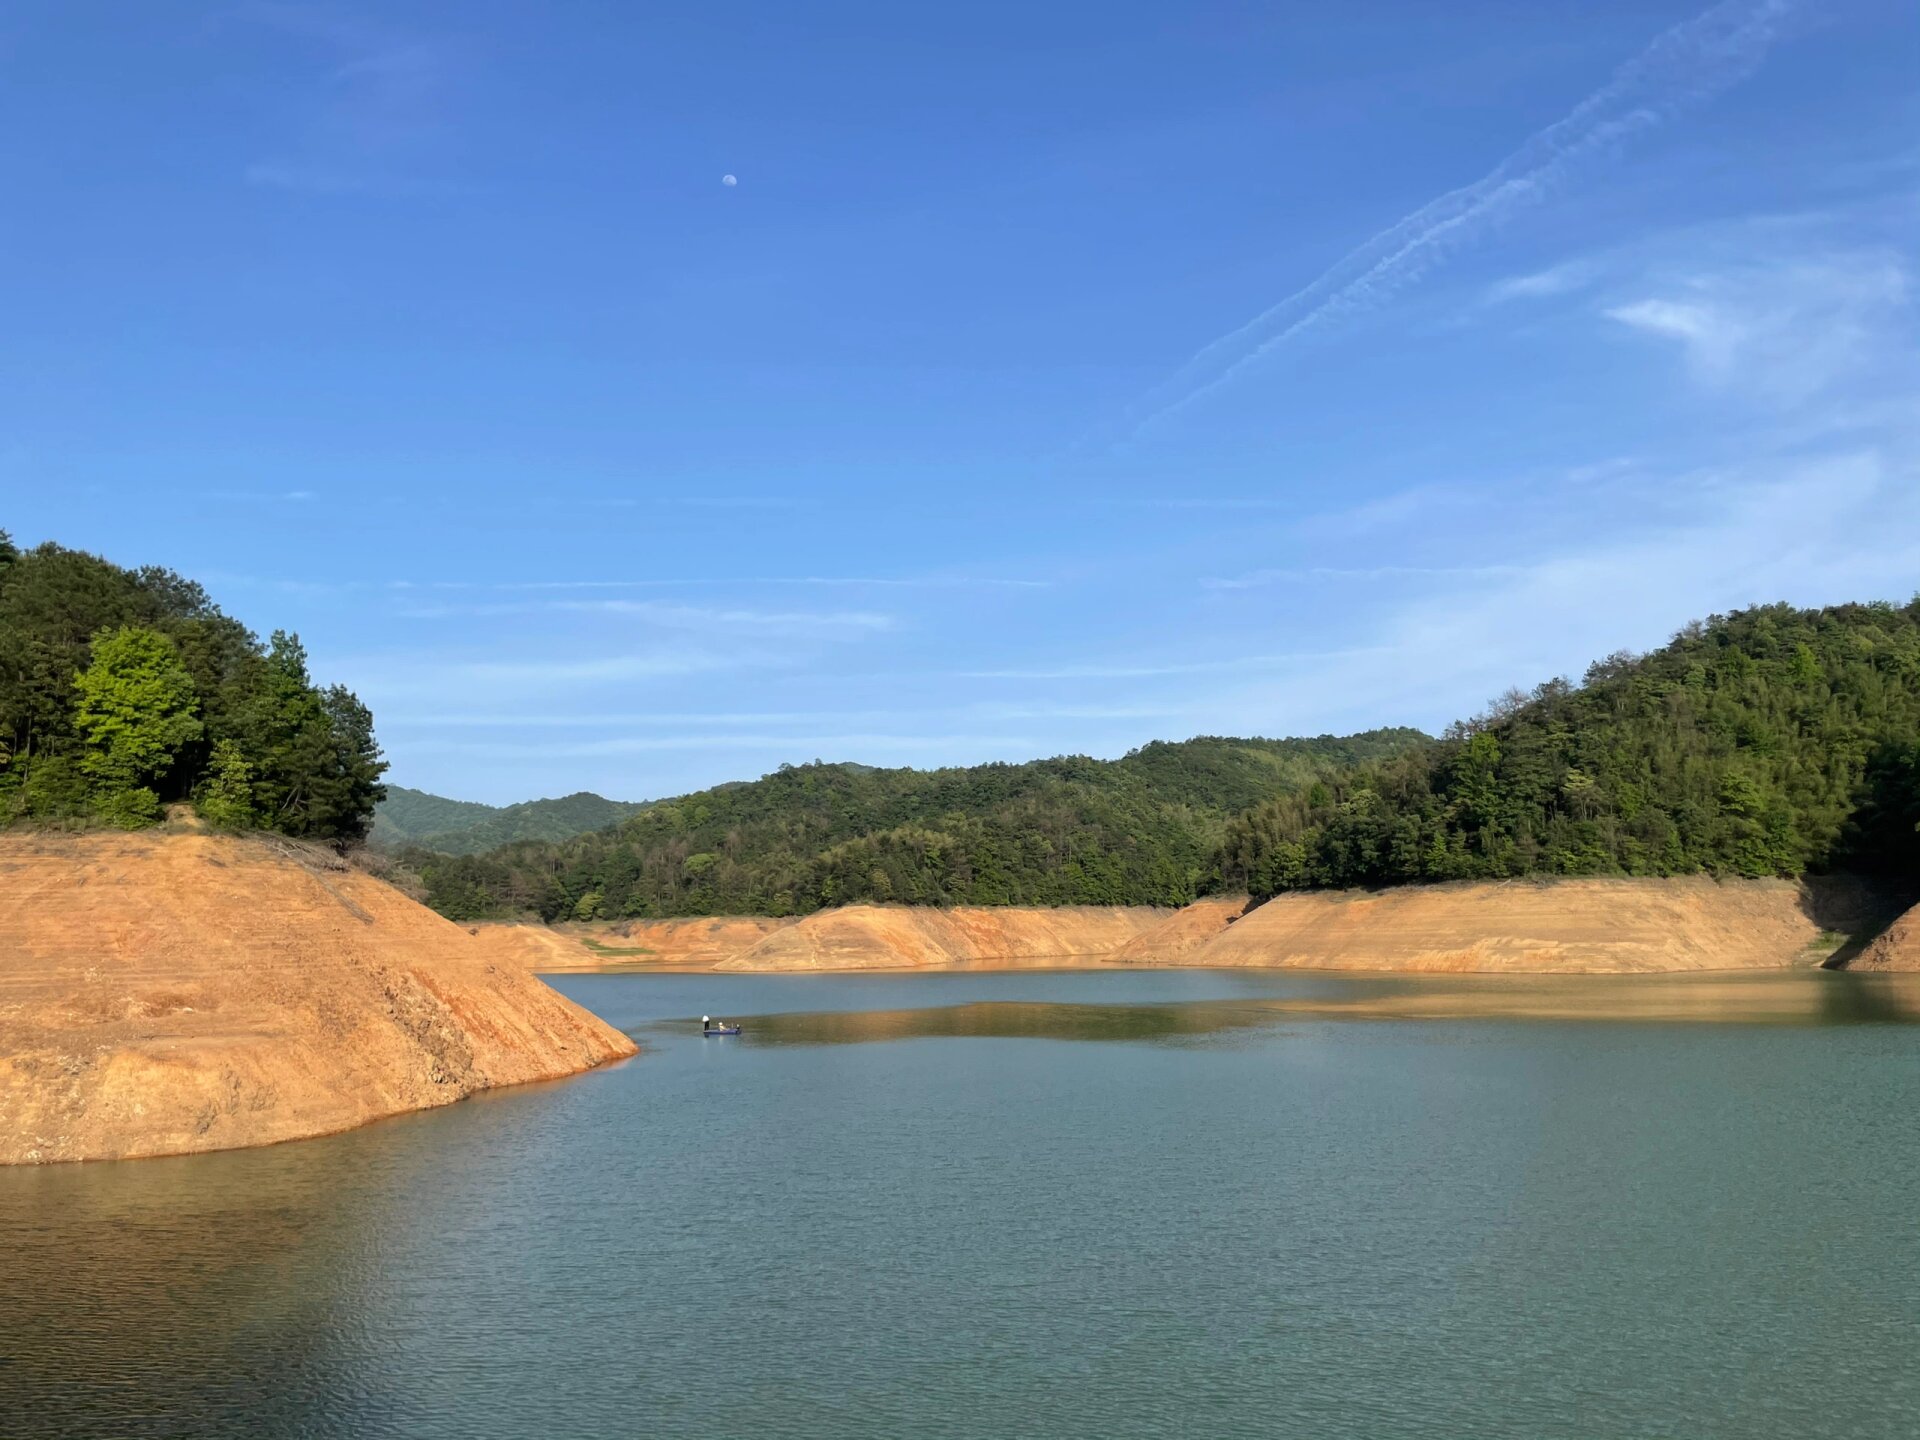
{"points": [[122, 690], [1140, 830], [465, 827], [1772, 741]]}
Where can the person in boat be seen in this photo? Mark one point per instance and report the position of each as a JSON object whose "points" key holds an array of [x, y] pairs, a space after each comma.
{"points": [[706, 1022]]}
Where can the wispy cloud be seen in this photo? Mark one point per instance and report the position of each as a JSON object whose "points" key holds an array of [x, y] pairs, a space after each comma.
{"points": [[1554, 280], [1777, 529], [795, 746], [696, 500], [919, 582], [676, 617], [701, 617], [479, 682], [669, 719], [1208, 502], [1781, 329], [259, 497], [1685, 66], [1314, 573], [560, 587], [1147, 670], [377, 104]]}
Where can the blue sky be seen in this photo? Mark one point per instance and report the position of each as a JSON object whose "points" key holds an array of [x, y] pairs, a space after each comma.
{"points": [[1053, 378]]}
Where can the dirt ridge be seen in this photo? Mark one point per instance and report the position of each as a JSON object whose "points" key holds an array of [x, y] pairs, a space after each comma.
{"points": [[162, 994], [1586, 926], [1897, 949], [872, 937]]}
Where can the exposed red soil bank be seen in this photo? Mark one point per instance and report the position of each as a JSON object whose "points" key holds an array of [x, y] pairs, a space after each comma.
{"points": [[1897, 949], [161, 994], [1565, 926], [1175, 939], [874, 937], [1602, 926]]}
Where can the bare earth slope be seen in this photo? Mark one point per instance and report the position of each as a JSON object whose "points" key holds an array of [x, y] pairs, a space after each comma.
{"points": [[169, 993], [693, 944], [886, 937], [1600, 926], [1174, 939], [1571, 926], [1898, 949]]}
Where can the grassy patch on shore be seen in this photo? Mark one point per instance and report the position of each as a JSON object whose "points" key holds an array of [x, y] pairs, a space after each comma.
{"points": [[601, 949]]}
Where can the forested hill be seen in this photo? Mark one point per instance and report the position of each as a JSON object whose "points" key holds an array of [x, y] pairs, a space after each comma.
{"points": [[122, 690], [1772, 741], [466, 827], [1142, 830]]}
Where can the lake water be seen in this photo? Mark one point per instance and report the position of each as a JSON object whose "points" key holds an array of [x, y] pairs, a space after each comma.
{"points": [[1053, 1204]]}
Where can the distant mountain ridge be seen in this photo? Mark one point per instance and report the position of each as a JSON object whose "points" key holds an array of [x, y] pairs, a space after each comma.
{"points": [[466, 827], [1072, 830]]}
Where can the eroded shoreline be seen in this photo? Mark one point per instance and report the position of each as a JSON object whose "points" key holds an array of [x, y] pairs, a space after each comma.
{"points": [[1580, 927]]}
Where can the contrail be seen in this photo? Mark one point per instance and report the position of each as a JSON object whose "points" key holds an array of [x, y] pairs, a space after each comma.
{"points": [[1691, 63]]}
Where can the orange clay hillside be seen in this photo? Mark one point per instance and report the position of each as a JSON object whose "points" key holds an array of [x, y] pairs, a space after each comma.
{"points": [[163, 993], [1593, 927], [1598, 926], [699, 943], [874, 937], [1898, 949]]}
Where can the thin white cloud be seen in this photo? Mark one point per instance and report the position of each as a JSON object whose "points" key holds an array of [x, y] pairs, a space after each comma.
{"points": [[1126, 671], [700, 617], [676, 617], [1313, 573], [1554, 280], [839, 745], [1208, 502], [377, 104], [1076, 712], [1774, 530], [695, 500], [911, 582], [259, 497], [691, 582], [657, 719], [1782, 329], [1685, 66], [589, 720], [478, 683]]}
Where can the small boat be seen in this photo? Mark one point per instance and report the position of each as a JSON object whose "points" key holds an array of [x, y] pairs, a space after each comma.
{"points": [[708, 1027]]}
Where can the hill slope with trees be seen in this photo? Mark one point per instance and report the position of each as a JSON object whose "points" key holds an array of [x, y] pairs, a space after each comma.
{"points": [[466, 827], [1769, 742], [1142, 830], [123, 690]]}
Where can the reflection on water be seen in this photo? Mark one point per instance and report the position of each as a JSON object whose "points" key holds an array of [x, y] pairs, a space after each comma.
{"points": [[1007, 1019], [1244, 1215], [209, 1289], [1744, 998]]}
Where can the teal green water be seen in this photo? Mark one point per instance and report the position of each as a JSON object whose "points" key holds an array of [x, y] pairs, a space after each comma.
{"points": [[1095, 1204]]}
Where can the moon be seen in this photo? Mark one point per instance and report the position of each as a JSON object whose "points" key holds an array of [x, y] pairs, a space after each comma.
{"points": [[729, 179]]}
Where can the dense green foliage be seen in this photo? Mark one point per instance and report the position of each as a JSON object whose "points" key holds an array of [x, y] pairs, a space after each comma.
{"points": [[466, 827], [1768, 742], [1140, 830], [122, 690]]}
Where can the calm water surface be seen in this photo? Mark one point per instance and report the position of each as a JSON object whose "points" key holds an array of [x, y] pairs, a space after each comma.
{"points": [[1087, 1204]]}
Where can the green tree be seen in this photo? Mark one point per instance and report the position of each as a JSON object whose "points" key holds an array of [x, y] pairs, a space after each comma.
{"points": [[225, 796], [309, 758], [136, 709], [1772, 741]]}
